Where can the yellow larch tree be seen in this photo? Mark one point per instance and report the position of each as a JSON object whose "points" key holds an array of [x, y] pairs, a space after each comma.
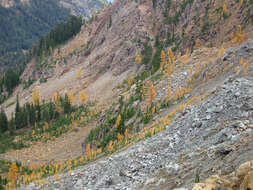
{"points": [[197, 69], [221, 52], [117, 123], [35, 96], [88, 150], [79, 73], [168, 93], [71, 97], [242, 61], [244, 64], [119, 137], [110, 146], [240, 2], [170, 68], [239, 37], [163, 56], [56, 97], [190, 77], [50, 50], [237, 70], [185, 59], [151, 94], [138, 59], [83, 96], [130, 80], [224, 8], [171, 55], [197, 44], [13, 174]]}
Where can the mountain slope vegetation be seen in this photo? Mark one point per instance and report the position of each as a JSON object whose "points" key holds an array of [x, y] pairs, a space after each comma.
{"points": [[23, 23], [164, 86]]}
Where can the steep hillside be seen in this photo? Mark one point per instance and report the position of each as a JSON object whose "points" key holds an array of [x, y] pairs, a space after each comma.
{"points": [[206, 131], [166, 86]]}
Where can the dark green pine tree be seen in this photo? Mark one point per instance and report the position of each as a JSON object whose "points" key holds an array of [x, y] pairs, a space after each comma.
{"points": [[3, 122], [38, 108], [51, 111], [17, 114], [66, 104]]}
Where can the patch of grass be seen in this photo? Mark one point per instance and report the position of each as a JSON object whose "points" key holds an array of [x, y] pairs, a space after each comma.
{"points": [[10, 104]]}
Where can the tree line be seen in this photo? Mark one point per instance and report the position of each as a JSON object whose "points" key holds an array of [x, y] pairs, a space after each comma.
{"points": [[58, 35], [8, 82], [33, 113]]}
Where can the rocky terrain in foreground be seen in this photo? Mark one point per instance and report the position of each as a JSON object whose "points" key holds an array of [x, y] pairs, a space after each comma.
{"points": [[212, 136]]}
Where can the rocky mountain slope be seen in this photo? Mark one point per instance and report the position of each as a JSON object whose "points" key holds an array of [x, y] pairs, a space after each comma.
{"points": [[204, 128], [211, 136]]}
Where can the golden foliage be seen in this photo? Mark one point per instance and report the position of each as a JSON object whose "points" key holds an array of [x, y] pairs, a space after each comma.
{"points": [[79, 74], [130, 80], [242, 61], [88, 150], [195, 98], [13, 174], [237, 70], [110, 147], [224, 8], [221, 52], [119, 137], [171, 55], [151, 94], [83, 96], [185, 59], [126, 133], [170, 68], [46, 126], [35, 96], [99, 150], [117, 123], [50, 50], [138, 59], [197, 69], [239, 37], [71, 97], [240, 2], [56, 97], [244, 64], [190, 77], [56, 177], [168, 93], [197, 44]]}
